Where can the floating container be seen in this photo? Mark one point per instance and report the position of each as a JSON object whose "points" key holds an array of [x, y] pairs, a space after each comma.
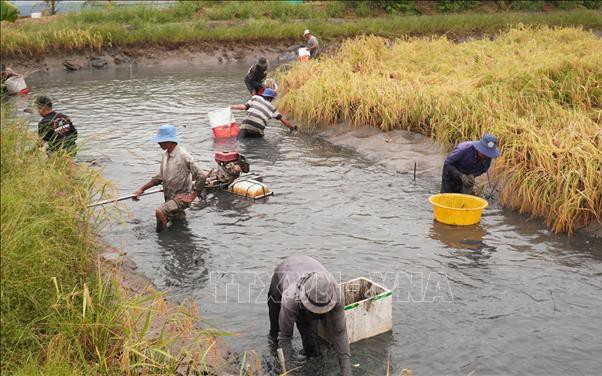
{"points": [[457, 208], [303, 54], [16, 85], [223, 123], [249, 188], [368, 310]]}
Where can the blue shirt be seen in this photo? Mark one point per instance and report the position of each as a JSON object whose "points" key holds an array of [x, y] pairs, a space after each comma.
{"points": [[464, 160]]}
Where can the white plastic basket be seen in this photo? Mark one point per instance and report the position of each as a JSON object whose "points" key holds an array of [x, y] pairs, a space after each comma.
{"points": [[221, 117], [15, 85], [303, 52], [368, 310], [223, 123]]}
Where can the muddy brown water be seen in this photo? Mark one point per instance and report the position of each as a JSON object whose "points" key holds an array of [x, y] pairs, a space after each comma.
{"points": [[503, 297]]}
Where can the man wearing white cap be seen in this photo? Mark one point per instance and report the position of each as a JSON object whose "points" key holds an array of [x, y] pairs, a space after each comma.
{"points": [[302, 291], [312, 44]]}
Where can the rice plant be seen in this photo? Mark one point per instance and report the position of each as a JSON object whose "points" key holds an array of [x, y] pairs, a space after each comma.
{"points": [[539, 89]]}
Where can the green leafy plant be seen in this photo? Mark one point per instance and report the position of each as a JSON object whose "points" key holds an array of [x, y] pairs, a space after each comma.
{"points": [[455, 6], [528, 5], [8, 12]]}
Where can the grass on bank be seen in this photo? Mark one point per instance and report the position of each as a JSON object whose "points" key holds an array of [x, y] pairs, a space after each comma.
{"points": [[59, 314], [539, 90], [96, 30]]}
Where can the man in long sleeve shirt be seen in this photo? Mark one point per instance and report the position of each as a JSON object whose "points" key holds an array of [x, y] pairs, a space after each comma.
{"points": [[467, 161], [176, 173], [302, 291]]}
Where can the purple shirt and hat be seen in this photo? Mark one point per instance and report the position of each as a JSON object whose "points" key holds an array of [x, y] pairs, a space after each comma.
{"points": [[465, 160]]}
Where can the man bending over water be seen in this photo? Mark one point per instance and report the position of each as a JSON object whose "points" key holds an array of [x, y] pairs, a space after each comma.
{"points": [[176, 173]]}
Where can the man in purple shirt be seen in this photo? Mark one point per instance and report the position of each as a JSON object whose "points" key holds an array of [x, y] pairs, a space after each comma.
{"points": [[468, 160]]}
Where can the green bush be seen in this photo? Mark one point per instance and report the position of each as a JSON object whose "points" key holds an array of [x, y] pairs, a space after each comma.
{"points": [[566, 5], [231, 10], [187, 8], [368, 8], [529, 5], [336, 9], [455, 6], [592, 4], [363, 10]]}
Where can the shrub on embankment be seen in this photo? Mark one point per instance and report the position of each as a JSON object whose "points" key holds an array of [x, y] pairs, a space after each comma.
{"points": [[59, 314], [539, 90], [189, 23]]}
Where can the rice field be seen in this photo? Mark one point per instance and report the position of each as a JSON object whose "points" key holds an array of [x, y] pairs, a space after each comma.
{"points": [[538, 89]]}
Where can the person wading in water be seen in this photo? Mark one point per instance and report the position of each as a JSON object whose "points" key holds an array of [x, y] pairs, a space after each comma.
{"points": [[254, 78], [303, 292], [467, 161], [55, 128], [176, 173], [259, 110]]}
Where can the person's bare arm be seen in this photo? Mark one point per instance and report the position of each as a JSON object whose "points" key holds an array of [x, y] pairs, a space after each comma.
{"points": [[287, 124], [153, 182], [241, 107]]}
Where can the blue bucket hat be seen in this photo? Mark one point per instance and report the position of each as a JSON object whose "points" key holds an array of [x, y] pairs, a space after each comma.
{"points": [[268, 92], [166, 133], [487, 145]]}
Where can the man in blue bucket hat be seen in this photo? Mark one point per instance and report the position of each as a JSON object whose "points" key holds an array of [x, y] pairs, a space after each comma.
{"points": [[259, 110], [182, 180], [468, 160]]}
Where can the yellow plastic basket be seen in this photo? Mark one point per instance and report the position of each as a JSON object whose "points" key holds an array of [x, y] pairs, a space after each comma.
{"points": [[457, 209]]}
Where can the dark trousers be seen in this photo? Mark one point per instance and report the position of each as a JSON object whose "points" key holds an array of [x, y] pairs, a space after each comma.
{"points": [[253, 86], [449, 183], [307, 325], [245, 133]]}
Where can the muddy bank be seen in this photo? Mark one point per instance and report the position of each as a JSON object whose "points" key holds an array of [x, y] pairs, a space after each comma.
{"points": [[398, 150], [201, 53], [401, 150], [198, 54]]}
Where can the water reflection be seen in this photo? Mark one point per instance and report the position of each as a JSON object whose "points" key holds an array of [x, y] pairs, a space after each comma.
{"points": [[184, 254], [260, 149], [459, 237]]}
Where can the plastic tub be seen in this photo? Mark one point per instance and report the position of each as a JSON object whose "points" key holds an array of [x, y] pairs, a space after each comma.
{"points": [[457, 209], [303, 54], [223, 123], [16, 85]]}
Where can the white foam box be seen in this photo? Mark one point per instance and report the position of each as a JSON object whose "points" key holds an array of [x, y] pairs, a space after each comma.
{"points": [[368, 310]]}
